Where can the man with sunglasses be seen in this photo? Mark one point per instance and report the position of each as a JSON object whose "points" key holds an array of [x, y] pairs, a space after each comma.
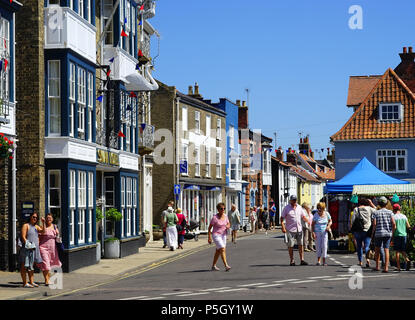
{"points": [[291, 225]]}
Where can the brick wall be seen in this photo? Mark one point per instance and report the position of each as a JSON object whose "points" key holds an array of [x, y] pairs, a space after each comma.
{"points": [[30, 110], [163, 117]]}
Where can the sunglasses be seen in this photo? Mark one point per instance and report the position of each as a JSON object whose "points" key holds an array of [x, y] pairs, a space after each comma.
{"points": [[222, 208], [35, 217]]}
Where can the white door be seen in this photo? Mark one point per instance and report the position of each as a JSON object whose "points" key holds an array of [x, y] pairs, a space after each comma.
{"points": [[148, 198]]}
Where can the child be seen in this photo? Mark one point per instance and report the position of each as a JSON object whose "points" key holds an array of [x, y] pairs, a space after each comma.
{"points": [[399, 236]]}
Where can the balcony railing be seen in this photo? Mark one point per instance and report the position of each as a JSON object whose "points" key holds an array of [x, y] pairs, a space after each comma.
{"points": [[146, 139], [65, 29]]}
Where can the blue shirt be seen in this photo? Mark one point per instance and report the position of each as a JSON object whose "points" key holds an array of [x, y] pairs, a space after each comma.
{"points": [[320, 222]]}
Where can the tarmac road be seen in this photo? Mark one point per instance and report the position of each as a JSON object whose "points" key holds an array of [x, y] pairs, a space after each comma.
{"points": [[260, 271]]}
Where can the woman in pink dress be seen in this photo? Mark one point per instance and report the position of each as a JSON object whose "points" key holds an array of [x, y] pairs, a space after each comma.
{"points": [[48, 249], [220, 225]]}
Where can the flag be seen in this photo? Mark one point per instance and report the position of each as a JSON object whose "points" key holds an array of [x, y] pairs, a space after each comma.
{"points": [[125, 20], [5, 64], [120, 134], [108, 72], [143, 126], [112, 60], [133, 95], [142, 8], [123, 34], [137, 67], [140, 23], [1, 64], [140, 53], [129, 108], [100, 98]]}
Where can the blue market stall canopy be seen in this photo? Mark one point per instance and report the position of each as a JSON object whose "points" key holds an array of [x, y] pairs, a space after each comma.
{"points": [[385, 190], [364, 173]]}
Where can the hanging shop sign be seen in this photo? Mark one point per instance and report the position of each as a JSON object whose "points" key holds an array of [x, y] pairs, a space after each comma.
{"points": [[28, 207], [108, 158]]}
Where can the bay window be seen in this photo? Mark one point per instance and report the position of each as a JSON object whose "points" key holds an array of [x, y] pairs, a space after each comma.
{"points": [[72, 90], [81, 102], [54, 97], [90, 104]]}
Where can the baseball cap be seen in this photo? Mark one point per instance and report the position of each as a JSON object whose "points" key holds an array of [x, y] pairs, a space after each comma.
{"points": [[293, 197], [396, 207], [383, 200]]}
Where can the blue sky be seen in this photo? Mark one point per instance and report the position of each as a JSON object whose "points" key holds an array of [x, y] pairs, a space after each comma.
{"points": [[294, 56]]}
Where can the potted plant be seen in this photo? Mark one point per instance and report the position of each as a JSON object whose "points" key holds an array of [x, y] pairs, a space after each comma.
{"points": [[112, 245], [147, 233], [157, 232]]}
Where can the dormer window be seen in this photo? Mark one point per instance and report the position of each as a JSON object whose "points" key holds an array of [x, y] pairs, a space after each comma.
{"points": [[390, 112]]}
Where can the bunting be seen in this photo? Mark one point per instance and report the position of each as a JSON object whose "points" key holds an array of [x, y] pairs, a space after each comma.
{"points": [[142, 8], [133, 95], [140, 53], [108, 72], [120, 134], [100, 98], [5, 64], [112, 60], [123, 34]]}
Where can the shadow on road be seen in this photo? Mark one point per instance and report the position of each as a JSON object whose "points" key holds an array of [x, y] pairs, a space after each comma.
{"points": [[193, 271]]}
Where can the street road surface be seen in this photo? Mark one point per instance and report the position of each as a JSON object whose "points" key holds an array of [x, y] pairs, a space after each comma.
{"points": [[260, 271]]}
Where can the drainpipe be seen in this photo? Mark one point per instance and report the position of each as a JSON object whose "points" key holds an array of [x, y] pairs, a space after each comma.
{"points": [[177, 148], [14, 211]]}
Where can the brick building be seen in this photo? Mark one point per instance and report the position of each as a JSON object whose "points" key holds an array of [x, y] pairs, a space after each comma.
{"points": [[256, 163], [191, 153], [8, 112], [83, 119]]}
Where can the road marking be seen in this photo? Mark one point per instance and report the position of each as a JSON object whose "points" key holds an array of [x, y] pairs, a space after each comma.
{"points": [[214, 289], [271, 285], [380, 276], [229, 290], [322, 277], [334, 279], [134, 298], [174, 293], [192, 294], [288, 280], [304, 281], [251, 285], [155, 298]]}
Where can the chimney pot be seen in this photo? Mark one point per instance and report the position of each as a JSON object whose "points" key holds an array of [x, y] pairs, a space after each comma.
{"points": [[190, 90], [238, 103], [196, 88], [404, 49], [410, 49]]}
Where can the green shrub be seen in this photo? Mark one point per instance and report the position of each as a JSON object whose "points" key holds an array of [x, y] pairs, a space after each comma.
{"points": [[113, 215], [99, 216], [111, 239]]}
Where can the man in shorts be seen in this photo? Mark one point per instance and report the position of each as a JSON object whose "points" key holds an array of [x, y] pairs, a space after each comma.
{"points": [[291, 225], [383, 225], [234, 218]]}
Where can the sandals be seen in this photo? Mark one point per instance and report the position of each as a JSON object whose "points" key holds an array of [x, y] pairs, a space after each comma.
{"points": [[215, 268], [28, 285], [227, 268], [35, 285], [292, 264]]}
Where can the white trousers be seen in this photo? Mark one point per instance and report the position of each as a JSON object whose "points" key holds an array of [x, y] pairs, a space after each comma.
{"points": [[172, 241], [322, 240]]}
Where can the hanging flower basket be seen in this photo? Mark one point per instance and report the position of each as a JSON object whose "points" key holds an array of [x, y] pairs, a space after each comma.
{"points": [[6, 147]]}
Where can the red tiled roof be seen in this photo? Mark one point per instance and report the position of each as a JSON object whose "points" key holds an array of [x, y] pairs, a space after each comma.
{"points": [[359, 88], [364, 124]]}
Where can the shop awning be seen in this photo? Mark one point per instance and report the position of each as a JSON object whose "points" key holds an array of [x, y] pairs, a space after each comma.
{"points": [[191, 187], [385, 190], [214, 188]]}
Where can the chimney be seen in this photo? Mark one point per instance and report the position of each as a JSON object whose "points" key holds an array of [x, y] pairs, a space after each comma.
{"points": [[196, 94], [242, 115], [406, 69], [291, 158], [190, 92], [280, 154]]}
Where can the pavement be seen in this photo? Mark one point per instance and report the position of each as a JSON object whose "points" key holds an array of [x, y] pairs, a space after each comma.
{"points": [[106, 271]]}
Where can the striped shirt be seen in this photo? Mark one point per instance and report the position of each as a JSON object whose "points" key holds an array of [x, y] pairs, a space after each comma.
{"points": [[383, 218]]}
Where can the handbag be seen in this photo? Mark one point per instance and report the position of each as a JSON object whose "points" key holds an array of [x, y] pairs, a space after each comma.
{"points": [[358, 223], [58, 241], [29, 245]]}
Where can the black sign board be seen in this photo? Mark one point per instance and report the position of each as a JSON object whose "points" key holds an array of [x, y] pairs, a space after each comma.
{"points": [[28, 207]]}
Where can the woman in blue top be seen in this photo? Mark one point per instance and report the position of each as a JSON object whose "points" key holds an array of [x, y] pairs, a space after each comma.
{"points": [[320, 226]]}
